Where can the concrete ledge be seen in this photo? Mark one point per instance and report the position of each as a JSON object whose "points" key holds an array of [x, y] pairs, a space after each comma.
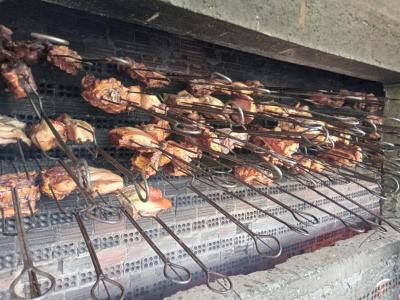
{"points": [[359, 38], [365, 264]]}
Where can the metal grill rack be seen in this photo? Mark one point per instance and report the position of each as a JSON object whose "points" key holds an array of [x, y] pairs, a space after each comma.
{"points": [[55, 241]]}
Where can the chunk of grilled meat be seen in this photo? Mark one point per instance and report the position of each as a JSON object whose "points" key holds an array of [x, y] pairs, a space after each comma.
{"points": [[19, 79], [132, 203], [42, 136], [213, 104], [205, 87], [234, 140], [78, 131], [377, 120], [183, 98], [320, 99], [246, 103], [207, 139], [152, 103], [251, 175], [12, 130], [347, 155], [64, 58], [369, 102], [133, 138], [109, 94], [149, 163], [158, 129], [104, 181], [60, 182], [141, 73], [307, 163], [28, 193], [283, 147], [5, 40], [182, 153]]}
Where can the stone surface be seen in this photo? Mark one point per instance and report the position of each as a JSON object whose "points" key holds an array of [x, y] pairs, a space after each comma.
{"points": [[360, 38], [366, 265]]}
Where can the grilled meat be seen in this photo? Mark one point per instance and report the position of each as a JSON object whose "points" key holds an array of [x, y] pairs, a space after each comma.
{"points": [[59, 180], [213, 103], [12, 130], [307, 163], [207, 139], [280, 146], [149, 163], [141, 73], [183, 98], [231, 142], [65, 58], [133, 204], [78, 131], [133, 138], [27, 191], [368, 103], [347, 155], [181, 153], [152, 103], [251, 175], [158, 129], [42, 136], [19, 79], [377, 120], [246, 103], [320, 99], [104, 181], [205, 87]]}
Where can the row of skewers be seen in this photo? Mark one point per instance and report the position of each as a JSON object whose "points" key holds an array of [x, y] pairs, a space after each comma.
{"points": [[254, 138]]}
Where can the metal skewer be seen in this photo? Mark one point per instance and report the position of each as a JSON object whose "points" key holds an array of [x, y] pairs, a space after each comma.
{"points": [[173, 272], [101, 277], [32, 271]]}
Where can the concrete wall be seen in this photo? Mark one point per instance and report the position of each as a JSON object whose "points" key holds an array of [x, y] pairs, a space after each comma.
{"points": [[355, 37]]}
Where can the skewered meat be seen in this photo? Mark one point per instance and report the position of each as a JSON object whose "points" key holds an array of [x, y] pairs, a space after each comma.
{"points": [[133, 138], [347, 155], [205, 87], [106, 94], [207, 139], [78, 131], [65, 58], [307, 163], [5, 40], [280, 146], [104, 181], [59, 180], [320, 99], [255, 84], [19, 79], [109, 94], [42, 136], [231, 142], [368, 102], [251, 175], [246, 103], [215, 104], [28, 193], [158, 129], [134, 205], [140, 72], [181, 153], [12, 130], [149, 163], [183, 98], [377, 120], [152, 103]]}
